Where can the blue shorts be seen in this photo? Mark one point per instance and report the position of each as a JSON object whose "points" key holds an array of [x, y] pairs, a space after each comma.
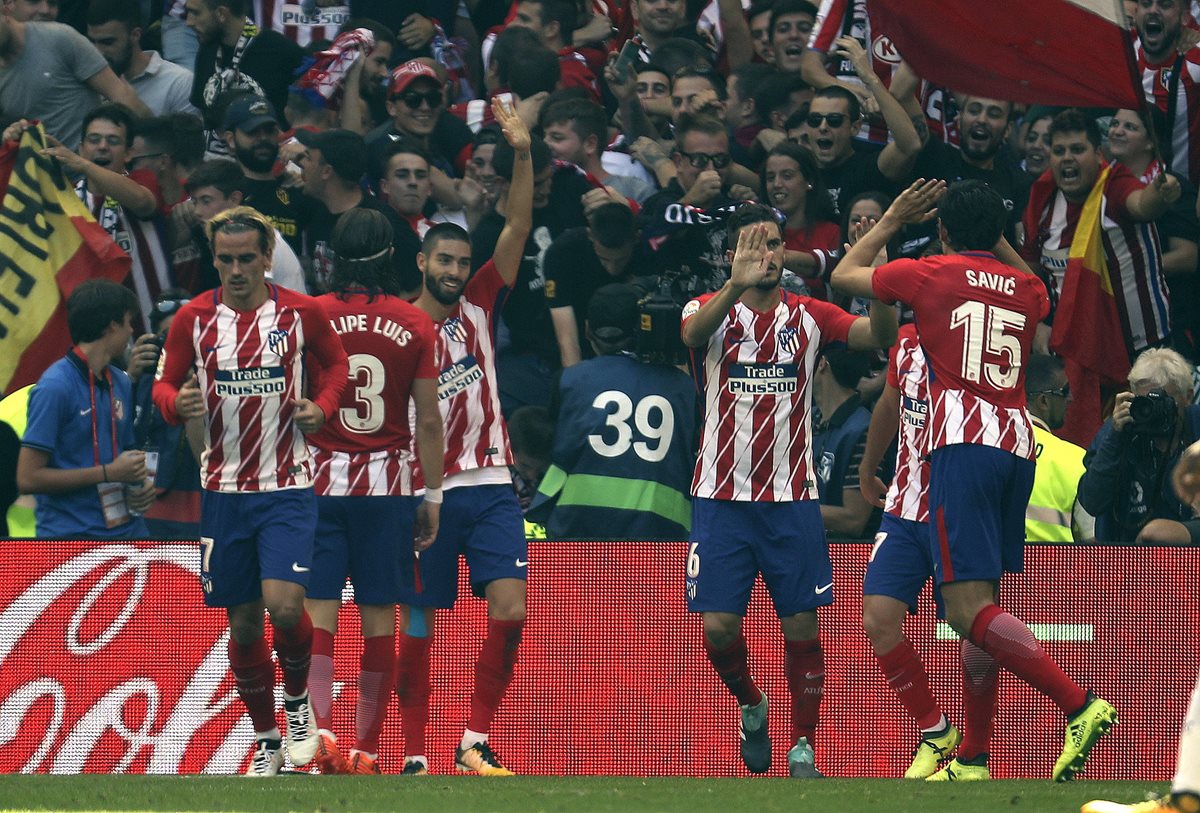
{"points": [[977, 501], [484, 524], [369, 539], [248, 537], [901, 562], [732, 542]]}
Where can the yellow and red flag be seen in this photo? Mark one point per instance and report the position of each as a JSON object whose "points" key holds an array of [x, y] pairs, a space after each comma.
{"points": [[49, 243]]}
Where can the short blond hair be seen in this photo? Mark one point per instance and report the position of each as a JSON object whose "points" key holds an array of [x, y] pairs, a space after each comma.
{"points": [[1160, 367], [240, 219]]}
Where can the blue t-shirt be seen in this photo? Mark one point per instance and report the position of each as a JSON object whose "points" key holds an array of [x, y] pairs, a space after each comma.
{"points": [[60, 423]]}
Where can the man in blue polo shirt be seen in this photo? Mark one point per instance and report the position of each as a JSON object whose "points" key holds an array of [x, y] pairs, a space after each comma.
{"points": [[76, 453]]}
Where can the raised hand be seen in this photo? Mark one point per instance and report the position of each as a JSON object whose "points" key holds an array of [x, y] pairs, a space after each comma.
{"points": [[514, 129], [1167, 186], [916, 204], [752, 258], [851, 49]]}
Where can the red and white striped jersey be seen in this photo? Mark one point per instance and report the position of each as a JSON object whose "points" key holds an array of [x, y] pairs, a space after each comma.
{"points": [[363, 449], [851, 18], [468, 397], [908, 497], [145, 241], [1131, 249], [1184, 131], [250, 367], [976, 318], [288, 18], [754, 376]]}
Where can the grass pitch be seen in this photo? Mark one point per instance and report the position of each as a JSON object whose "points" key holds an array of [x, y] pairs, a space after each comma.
{"points": [[432, 794]]}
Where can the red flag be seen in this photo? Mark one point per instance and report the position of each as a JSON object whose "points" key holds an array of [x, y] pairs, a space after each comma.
{"points": [[49, 243], [1067, 52]]}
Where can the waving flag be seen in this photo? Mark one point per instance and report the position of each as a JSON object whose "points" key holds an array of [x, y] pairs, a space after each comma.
{"points": [[1066, 52], [49, 243]]}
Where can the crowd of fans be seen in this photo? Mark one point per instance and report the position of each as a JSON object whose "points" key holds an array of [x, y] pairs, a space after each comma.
{"points": [[653, 121]]}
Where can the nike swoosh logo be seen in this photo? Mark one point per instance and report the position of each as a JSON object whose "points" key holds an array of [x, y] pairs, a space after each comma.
{"points": [[296, 568], [821, 590], [813, 675], [83, 412], [522, 564]]}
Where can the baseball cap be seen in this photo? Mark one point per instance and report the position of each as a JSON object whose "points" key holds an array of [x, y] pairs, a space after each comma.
{"points": [[612, 312], [249, 113], [343, 150], [407, 73]]}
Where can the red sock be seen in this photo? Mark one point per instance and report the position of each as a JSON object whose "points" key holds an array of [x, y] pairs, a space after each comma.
{"points": [[294, 648], [906, 674], [412, 691], [981, 690], [255, 676], [374, 685], [493, 671], [804, 663], [733, 667], [1012, 644], [320, 677]]}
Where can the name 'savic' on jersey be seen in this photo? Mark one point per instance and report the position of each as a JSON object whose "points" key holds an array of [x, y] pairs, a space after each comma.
{"points": [[907, 496], [754, 376]]}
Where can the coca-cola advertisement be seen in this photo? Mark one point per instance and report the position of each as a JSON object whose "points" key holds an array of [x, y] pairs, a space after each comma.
{"points": [[109, 662]]}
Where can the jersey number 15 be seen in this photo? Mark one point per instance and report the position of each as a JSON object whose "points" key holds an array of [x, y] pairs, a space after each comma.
{"points": [[988, 329]]}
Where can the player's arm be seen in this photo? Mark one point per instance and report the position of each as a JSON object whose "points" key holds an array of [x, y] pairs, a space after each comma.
{"points": [[885, 425], [875, 331], [566, 331], [518, 213], [326, 347], [115, 89], [853, 274], [1154, 199], [751, 263], [176, 402]]}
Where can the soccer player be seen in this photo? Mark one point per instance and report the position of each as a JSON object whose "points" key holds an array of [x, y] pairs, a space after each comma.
{"points": [[1185, 789], [481, 517], [899, 566], [236, 356], [976, 314], [365, 504], [755, 506]]}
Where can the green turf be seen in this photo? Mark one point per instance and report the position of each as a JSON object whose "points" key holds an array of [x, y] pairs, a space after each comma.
{"points": [[432, 794]]}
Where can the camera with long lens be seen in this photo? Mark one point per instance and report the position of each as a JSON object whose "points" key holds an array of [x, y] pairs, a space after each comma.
{"points": [[660, 312], [1153, 414]]}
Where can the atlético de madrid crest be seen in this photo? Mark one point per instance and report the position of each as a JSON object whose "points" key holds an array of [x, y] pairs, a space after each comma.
{"points": [[788, 340], [455, 330]]}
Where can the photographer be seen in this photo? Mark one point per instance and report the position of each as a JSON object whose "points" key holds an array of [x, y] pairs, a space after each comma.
{"points": [[1127, 484], [626, 437]]}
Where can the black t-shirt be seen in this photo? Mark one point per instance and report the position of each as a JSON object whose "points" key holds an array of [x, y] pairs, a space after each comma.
{"points": [[857, 174], [573, 274], [392, 13], [319, 232], [288, 209], [526, 314], [267, 67], [449, 138], [676, 237]]}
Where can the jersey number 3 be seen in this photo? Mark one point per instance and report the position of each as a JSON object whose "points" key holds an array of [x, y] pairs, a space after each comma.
{"points": [[368, 378], [989, 330]]}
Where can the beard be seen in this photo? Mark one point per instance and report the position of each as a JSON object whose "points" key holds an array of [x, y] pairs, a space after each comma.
{"points": [[441, 296], [254, 158]]}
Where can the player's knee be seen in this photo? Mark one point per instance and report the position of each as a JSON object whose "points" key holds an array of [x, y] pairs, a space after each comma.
{"points": [[507, 609], [720, 630], [286, 614], [246, 631], [882, 628]]}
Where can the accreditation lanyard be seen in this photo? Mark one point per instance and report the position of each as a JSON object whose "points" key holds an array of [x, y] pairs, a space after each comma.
{"points": [[112, 495]]}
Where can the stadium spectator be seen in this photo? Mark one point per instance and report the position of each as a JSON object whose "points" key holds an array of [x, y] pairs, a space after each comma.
{"points": [[1035, 141], [614, 475], [1169, 69], [170, 147], [531, 434], [332, 168], [31, 11], [758, 16], [1125, 485], [115, 28], [834, 116], [982, 458], [77, 452], [236, 54], [658, 21], [213, 187], [363, 479], [417, 105], [811, 237], [1053, 513], [242, 351], [742, 117], [554, 21], [576, 132], [901, 564], [51, 73], [1131, 252], [764, 516], [838, 440], [581, 261], [482, 520], [791, 24], [127, 205]]}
